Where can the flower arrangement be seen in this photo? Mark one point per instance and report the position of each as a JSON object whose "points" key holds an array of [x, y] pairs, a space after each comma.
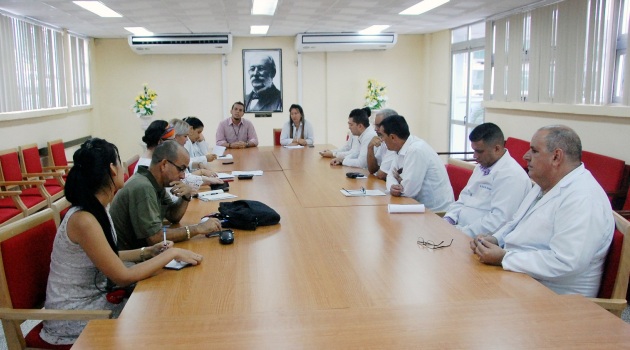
{"points": [[375, 97], [145, 102]]}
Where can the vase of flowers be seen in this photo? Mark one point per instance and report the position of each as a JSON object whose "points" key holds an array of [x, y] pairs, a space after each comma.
{"points": [[375, 97], [144, 106]]}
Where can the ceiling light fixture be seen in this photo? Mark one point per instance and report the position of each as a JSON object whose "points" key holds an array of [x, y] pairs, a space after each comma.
{"points": [[264, 7], [375, 29], [423, 6], [138, 31], [98, 8], [258, 30]]}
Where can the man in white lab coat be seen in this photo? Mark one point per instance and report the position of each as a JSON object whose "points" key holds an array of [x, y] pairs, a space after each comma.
{"points": [[561, 232], [496, 188]]}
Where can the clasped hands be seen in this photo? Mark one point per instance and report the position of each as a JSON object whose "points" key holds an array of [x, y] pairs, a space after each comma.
{"points": [[238, 144], [181, 190], [487, 248]]}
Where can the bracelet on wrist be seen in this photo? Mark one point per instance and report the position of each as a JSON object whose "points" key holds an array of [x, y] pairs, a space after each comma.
{"points": [[142, 257], [187, 232]]}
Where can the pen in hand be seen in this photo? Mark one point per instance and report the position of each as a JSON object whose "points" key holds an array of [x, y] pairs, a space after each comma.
{"points": [[164, 235]]}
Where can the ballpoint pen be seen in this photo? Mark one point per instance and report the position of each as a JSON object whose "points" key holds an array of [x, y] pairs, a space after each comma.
{"points": [[164, 234]]}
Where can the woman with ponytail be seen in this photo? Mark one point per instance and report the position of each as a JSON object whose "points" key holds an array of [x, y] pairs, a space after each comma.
{"points": [[296, 131], [85, 252]]}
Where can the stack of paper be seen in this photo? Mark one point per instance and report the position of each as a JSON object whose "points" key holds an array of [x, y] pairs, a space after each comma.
{"points": [[361, 193], [218, 150], [405, 208], [225, 157], [176, 265], [248, 172], [215, 195], [224, 176], [294, 147]]}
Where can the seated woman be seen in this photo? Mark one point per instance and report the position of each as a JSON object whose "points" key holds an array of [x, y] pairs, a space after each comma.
{"points": [[85, 253], [196, 145], [296, 131]]}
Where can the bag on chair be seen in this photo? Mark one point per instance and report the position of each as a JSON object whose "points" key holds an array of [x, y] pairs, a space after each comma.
{"points": [[247, 214]]}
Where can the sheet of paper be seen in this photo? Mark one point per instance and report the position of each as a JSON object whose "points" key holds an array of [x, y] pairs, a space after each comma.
{"points": [[405, 208], [247, 172], [176, 265], [215, 195], [218, 150], [360, 193], [226, 157], [293, 147], [224, 176]]}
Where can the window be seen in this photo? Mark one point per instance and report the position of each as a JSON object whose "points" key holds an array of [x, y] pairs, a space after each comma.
{"points": [[566, 52], [34, 72]]}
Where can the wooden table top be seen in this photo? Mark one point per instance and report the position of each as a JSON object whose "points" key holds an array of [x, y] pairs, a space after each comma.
{"points": [[340, 274]]}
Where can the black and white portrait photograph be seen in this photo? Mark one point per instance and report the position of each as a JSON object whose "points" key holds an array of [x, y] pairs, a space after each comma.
{"points": [[262, 80]]}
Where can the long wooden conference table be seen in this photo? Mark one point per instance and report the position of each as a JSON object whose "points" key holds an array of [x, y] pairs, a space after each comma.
{"points": [[340, 272]]}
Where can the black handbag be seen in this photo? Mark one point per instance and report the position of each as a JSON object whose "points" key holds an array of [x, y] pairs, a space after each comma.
{"points": [[247, 214]]}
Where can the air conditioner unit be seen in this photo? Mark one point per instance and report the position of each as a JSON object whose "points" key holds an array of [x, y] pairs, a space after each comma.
{"points": [[316, 42], [181, 44]]}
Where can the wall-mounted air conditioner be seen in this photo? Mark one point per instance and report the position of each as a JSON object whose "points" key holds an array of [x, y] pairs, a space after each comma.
{"points": [[314, 42], [181, 44]]}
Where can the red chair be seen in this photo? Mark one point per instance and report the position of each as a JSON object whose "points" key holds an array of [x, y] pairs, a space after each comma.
{"points": [[131, 166], [34, 195], [32, 168], [614, 286], [607, 171], [459, 172], [517, 148], [26, 246], [8, 213], [276, 136], [57, 155]]}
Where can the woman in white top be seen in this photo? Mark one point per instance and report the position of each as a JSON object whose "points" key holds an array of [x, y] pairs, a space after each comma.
{"points": [[296, 131], [85, 252]]}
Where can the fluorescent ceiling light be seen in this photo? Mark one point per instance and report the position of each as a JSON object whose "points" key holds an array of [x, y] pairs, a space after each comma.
{"points": [[423, 6], [264, 7], [258, 30], [374, 29], [138, 30], [98, 8]]}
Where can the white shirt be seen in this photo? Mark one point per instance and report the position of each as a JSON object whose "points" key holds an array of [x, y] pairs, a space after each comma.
{"points": [[384, 157], [197, 152], [489, 201], [285, 138], [563, 239], [358, 157], [351, 145], [424, 176]]}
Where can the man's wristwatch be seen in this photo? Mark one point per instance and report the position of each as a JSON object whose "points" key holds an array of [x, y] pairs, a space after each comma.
{"points": [[187, 199], [246, 144]]}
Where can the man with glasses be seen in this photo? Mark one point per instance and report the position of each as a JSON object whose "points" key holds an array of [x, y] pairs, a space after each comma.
{"points": [[139, 208], [561, 232], [379, 158]]}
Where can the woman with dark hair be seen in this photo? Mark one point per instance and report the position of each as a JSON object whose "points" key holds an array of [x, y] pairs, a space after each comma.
{"points": [[296, 131], [85, 252], [196, 145], [157, 132]]}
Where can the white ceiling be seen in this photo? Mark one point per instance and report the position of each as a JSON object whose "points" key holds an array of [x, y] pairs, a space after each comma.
{"points": [[233, 16]]}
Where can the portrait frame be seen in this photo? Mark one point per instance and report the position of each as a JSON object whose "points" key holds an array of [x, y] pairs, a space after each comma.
{"points": [[270, 100]]}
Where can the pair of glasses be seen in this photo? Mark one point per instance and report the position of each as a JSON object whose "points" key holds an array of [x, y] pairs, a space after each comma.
{"points": [[355, 192], [181, 169], [431, 245]]}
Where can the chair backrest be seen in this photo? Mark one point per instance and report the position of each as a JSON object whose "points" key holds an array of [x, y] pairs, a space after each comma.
{"points": [[60, 208], [25, 248], [517, 148], [10, 165], [276, 136], [616, 274], [131, 164], [606, 170], [57, 153], [458, 173], [29, 159]]}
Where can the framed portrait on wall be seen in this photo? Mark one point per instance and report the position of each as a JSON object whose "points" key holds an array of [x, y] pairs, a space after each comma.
{"points": [[262, 80]]}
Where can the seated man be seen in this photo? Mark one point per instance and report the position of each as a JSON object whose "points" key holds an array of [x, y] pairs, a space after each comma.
{"points": [[379, 158], [416, 170], [139, 208], [561, 232], [495, 189], [359, 125], [236, 132]]}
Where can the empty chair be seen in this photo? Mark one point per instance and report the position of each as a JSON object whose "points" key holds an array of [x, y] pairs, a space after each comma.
{"points": [[57, 154], [11, 207], [32, 168], [34, 195], [614, 286], [276, 136], [607, 171], [26, 247]]}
